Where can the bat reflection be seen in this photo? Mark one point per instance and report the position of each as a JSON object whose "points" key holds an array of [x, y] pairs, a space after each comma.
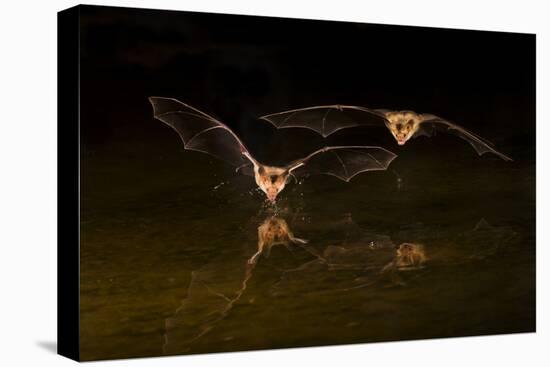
{"points": [[408, 256], [370, 262], [216, 288], [274, 231]]}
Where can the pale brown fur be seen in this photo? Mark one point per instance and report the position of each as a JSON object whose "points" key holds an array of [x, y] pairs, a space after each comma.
{"points": [[273, 231], [403, 124], [410, 255], [271, 180]]}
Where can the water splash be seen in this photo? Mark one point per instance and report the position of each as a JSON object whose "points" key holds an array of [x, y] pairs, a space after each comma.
{"points": [[219, 185]]}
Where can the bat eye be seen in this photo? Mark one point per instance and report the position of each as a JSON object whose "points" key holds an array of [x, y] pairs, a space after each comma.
{"points": [[273, 178]]}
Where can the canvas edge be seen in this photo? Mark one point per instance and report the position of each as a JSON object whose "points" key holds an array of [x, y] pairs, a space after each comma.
{"points": [[68, 191]]}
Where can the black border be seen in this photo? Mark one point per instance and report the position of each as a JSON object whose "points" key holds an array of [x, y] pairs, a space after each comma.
{"points": [[68, 181]]}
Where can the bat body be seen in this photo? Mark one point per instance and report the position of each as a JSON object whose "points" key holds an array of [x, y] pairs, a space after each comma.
{"points": [[274, 231], [403, 125], [204, 133]]}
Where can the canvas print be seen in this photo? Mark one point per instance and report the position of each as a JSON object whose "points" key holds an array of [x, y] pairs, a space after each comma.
{"points": [[249, 183]]}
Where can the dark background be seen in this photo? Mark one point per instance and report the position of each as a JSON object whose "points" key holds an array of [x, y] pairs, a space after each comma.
{"points": [[240, 67], [151, 214]]}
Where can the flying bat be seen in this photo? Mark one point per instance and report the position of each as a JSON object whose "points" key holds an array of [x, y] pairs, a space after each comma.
{"points": [[403, 125], [204, 133]]}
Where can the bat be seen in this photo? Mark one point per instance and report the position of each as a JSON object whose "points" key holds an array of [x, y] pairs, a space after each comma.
{"points": [[403, 125], [204, 133], [408, 256], [274, 231]]}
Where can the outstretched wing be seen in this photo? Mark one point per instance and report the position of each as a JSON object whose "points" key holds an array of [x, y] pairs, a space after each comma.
{"points": [[202, 132], [432, 123], [344, 162], [326, 120]]}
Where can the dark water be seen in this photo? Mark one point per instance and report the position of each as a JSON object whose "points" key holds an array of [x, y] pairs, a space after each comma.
{"points": [[167, 236]]}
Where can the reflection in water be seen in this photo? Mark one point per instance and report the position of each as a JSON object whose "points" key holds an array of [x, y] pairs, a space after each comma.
{"points": [[212, 293], [492, 239], [274, 231], [367, 263], [351, 265], [161, 267], [215, 288], [409, 256]]}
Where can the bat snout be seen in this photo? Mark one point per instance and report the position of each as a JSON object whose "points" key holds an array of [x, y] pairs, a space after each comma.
{"points": [[401, 140], [271, 195]]}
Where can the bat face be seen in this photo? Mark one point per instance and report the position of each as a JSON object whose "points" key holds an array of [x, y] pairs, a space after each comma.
{"points": [[403, 125], [271, 180], [273, 230], [203, 133]]}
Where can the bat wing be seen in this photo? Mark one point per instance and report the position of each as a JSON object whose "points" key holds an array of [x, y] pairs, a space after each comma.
{"points": [[202, 132], [344, 162], [433, 123], [326, 120], [382, 111]]}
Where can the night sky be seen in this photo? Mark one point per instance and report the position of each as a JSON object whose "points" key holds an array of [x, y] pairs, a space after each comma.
{"points": [[238, 68]]}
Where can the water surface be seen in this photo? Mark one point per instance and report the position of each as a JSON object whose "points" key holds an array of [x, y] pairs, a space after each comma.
{"points": [[167, 237]]}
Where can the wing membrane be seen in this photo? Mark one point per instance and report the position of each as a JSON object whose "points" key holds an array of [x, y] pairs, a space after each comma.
{"points": [[326, 120], [201, 132], [344, 162], [434, 123]]}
